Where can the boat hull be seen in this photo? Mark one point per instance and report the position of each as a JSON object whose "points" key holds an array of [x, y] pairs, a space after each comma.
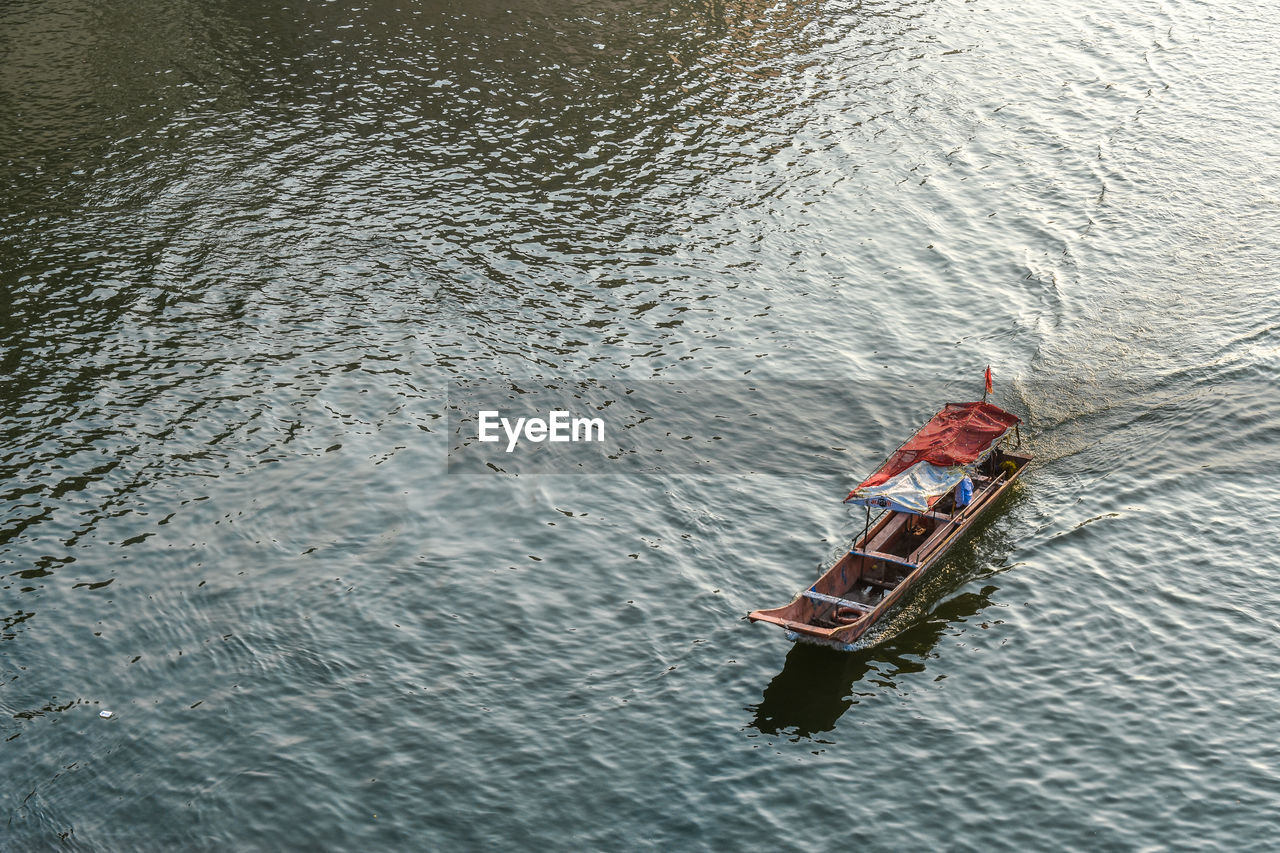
{"points": [[892, 557]]}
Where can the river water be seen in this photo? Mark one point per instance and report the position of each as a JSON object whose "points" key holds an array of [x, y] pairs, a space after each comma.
{"points": [[252, 256]]}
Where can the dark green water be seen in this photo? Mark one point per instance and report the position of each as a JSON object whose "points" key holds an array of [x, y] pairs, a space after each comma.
{"points": [[247, 248]]}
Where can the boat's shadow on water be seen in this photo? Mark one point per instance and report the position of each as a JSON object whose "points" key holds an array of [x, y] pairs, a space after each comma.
{"points": [[817, 684]]}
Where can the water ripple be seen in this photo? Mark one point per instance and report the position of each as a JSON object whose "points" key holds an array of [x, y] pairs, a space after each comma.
{"points": [[244, 249]]}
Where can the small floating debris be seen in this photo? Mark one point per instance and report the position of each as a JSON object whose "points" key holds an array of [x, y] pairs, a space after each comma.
{"points": [[106, 715]]}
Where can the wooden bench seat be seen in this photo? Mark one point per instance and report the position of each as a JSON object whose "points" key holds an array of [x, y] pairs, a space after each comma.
{"points": [[839, 602], [888, 558]]}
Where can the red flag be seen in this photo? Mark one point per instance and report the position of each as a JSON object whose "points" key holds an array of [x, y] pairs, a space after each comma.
{"points": [[988, 378]]}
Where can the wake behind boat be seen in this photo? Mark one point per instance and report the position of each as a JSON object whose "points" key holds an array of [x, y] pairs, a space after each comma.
{"points": [[932, 489]]}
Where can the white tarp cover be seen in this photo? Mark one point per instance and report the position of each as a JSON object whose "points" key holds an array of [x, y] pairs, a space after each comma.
{"points": [[912, 490]]}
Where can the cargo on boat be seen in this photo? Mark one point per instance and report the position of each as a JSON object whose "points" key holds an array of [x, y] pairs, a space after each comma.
{"points": [[931, 490]]}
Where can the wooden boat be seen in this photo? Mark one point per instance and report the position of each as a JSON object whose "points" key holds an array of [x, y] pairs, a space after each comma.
{"points": [[921, 489]]}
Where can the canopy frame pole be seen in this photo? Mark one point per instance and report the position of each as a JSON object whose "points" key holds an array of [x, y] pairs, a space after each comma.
{"points": [[866, 528]]}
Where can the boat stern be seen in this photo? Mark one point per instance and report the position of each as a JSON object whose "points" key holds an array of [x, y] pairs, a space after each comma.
{"points": [[793, 620]]}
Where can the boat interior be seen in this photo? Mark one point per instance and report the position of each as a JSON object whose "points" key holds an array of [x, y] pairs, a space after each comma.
{"points": [[894, 549]]}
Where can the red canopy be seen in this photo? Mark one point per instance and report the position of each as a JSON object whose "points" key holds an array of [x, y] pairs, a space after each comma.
{"points": [[957, 435]]}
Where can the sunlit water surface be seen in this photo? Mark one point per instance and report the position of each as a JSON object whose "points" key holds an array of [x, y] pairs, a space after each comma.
{"points": [[246, 247]]}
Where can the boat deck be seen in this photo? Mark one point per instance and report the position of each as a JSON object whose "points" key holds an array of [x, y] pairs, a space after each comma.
{"points": [[884, 562]]}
